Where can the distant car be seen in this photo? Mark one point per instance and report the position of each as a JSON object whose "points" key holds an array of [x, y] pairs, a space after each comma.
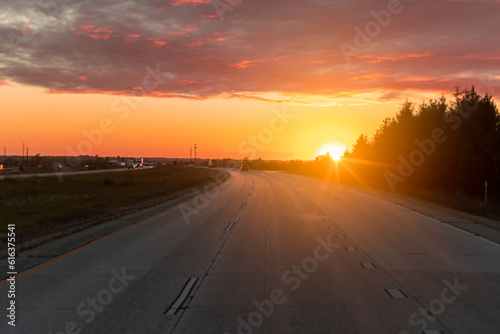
{"points": [[244, 167], [131, 166], [138, 165]]}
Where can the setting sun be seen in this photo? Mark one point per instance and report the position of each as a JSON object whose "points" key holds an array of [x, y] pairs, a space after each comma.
{"points": [[335, 150]]}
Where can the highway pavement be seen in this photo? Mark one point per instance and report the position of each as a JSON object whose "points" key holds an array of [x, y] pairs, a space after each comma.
{"points": [[269, 252]]}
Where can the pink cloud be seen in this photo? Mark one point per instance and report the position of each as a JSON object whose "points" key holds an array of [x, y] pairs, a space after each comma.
{"points": [[247, 63], [377, 59], [92, 31], [200, 41], [176, 3], [130, 38], [286, 48], [182, 31], [158, 43]]}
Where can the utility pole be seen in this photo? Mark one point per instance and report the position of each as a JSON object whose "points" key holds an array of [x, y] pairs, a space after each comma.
{"points": [[27, 154], [190, 154], [195, 152], [22, 159], [485, 194], [4, 153]]}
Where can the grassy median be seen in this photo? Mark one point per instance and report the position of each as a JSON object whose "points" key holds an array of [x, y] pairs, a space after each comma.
{"points": [[43, 205]]}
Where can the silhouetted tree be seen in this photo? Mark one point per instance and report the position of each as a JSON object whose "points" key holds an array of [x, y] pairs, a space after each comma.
{"points": [[457, 142]]}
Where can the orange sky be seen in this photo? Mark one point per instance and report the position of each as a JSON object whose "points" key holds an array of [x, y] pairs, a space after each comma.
{"points": [[49, 123], [72, 72]]}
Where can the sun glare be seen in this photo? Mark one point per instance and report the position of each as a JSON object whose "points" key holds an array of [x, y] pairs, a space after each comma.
{"points": [[334, 149]]}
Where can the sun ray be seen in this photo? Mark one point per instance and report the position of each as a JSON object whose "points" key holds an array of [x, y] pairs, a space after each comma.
{"points": [[335, 150]]}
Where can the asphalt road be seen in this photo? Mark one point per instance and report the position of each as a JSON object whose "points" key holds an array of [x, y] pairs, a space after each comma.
{"points": [[269, 253]]}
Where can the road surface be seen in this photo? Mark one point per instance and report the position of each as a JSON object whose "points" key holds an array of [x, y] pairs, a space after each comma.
{"points": [[268, 252]]}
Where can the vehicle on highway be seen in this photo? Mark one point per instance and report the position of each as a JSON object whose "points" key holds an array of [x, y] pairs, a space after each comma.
{"points": [[212, 163], [244, 167], [131, 166]]}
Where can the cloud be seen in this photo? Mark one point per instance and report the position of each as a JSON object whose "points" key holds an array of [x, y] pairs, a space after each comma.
{"points": [[287, 49], [189, 2]]}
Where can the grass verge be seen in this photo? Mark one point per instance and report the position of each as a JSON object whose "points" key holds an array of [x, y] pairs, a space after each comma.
{"points": [[44, 205], [457, 200]]}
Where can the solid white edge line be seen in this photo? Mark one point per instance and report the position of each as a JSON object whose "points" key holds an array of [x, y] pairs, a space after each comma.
{"points": [[488, 240]]}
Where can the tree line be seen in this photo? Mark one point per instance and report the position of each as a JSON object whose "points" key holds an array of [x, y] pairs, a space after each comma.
{"points": [[447, 145]]}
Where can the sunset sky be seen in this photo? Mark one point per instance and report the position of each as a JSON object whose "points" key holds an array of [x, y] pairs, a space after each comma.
{"points": [[276, 79]]}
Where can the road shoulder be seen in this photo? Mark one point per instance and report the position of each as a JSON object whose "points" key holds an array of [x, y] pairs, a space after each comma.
{"points": [[480, 226]]}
